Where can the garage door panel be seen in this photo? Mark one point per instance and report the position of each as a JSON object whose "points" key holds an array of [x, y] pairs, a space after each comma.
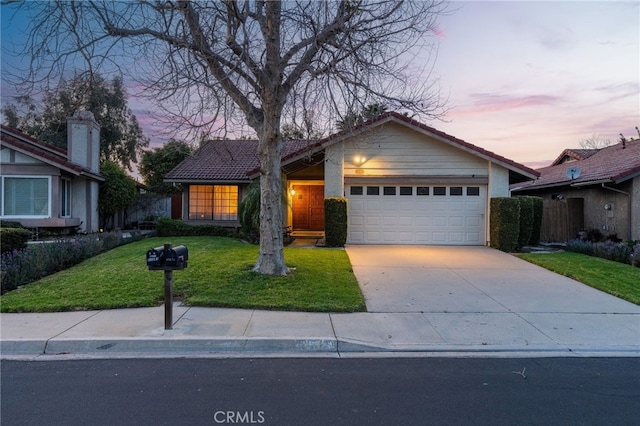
{"points": [[418, 219]]}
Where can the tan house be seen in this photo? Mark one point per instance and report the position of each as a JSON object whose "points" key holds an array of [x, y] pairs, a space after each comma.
{"points": [[406, 183], [585, 190], [43, 186]]}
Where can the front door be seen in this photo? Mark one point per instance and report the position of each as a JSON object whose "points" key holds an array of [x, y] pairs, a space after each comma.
{"points": [[308, 207]]}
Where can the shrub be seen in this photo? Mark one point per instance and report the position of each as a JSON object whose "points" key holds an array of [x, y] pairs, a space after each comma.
{"points": [[249, 213], [175, 228], [335, 221], [618, 252], [538, 208], [20, 267], [504, 223], [13, 239], [10, 224], [526, 220]]}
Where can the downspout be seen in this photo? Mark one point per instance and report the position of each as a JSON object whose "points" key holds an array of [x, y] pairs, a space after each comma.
{"points": [[628, 207]]}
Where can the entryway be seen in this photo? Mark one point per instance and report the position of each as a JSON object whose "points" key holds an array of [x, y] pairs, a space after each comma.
{"points": [[307, 207]]}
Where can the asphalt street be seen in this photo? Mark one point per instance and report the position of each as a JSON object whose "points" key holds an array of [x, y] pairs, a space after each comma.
{"points": [[310, 391]]}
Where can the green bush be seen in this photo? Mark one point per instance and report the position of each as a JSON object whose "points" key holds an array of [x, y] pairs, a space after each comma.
{"points": [[504, 223], [175, 228], [526, 220], [10, 224], [249, 213], [13, 239], [538, 207], [335, 221]]}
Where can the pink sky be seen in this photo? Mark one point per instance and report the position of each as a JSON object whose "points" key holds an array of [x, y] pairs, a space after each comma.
{"points": [[529, 79], [524, 79]]}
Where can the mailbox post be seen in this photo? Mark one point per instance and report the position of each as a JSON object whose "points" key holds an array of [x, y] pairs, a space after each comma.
{"points": [[168, 259]]}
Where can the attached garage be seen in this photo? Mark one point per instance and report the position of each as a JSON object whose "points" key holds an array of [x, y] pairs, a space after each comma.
{"points": [[452, 214]]}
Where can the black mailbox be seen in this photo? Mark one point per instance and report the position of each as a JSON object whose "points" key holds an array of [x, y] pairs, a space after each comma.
{"points": [[155, 257], [176, 257]]}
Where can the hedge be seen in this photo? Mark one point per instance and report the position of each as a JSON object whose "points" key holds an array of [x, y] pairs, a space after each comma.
{"points": [[175, 228], [526, 220], [504, 223], [13, 239], [335, 221]]}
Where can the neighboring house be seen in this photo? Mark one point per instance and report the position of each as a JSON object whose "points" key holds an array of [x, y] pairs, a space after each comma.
{"points": [[43, 186], [590, 189], [406, 183]]}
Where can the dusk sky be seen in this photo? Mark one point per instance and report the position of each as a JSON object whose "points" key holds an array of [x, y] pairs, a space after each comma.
{"points": [[523, 79]]}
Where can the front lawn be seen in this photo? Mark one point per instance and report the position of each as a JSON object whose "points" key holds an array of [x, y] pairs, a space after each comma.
{"points": [[219, 275], [618, 279]]}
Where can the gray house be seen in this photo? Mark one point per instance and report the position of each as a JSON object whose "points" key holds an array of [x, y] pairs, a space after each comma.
{"points": [[43, 186]]}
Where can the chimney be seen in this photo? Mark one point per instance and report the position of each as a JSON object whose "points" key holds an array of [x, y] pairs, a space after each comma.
{"points": [[83, 140]]}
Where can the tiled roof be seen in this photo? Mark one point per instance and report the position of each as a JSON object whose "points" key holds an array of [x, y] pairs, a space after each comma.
{"points": [[236, 160], [45, 152], [574, 154], [615, 163], [224, 160]]}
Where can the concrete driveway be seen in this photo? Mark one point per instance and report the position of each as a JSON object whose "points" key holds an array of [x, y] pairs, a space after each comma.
{"points": [[474, 295]]}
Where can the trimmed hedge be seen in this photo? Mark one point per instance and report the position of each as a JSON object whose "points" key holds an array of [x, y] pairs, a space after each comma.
{"points": [[538, 207], [175, 228], [526, 220], [13, 239], [504, 223], [335, 221]]}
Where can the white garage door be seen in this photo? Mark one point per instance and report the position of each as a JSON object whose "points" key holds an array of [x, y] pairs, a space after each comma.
{"points": [[438, 215]]}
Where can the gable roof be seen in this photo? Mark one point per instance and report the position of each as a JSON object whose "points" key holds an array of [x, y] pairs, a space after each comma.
{"points": [[570, 154], [518, 172], [47, 153], [613, 164], [223, 160], [236, 161]]}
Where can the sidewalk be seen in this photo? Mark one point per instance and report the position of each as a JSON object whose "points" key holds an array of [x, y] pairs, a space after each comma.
{"points": [[421, 303]]}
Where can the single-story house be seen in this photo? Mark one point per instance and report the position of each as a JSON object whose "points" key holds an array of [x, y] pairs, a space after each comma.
{"points": [[584, 190], [406, 183], [43, 186]]}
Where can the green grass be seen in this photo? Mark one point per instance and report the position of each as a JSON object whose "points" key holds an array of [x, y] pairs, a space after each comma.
{"points": [[219, 275], [615, 278]]}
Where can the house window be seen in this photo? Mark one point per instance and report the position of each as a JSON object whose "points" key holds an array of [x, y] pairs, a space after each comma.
{"points": [[406, 190], [439, 190], [65, 198], [373, 190], [455, 190], [422, 190], [356, 190], [26, 196], [473, 191], [389, 190], [209, 202]]}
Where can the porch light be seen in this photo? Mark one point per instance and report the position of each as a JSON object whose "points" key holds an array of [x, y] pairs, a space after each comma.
{"points": [[359, 159], [292, 192]]}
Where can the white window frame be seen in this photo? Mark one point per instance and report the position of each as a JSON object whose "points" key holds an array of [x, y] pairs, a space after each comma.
{"points": [[65, 204], [48, 178]]}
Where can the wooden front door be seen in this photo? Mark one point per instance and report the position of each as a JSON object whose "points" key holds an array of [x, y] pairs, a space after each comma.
{"points": [[308, 207]]}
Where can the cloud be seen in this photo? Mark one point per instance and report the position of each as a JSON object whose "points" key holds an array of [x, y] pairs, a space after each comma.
{"points": [[482, 103]]}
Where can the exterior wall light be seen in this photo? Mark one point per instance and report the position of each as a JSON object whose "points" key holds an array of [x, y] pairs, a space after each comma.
{"points": [[359, 159]]}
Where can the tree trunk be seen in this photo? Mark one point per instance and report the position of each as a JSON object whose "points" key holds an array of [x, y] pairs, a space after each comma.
{"points": [[271, 258]]}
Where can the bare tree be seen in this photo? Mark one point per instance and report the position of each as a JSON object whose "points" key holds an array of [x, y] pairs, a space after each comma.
{"points": [[595, 142], [249, 63]]}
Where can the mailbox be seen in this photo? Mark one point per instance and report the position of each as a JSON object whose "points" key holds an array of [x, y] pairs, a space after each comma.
{"points": [[176, 257], [173, 258], [155, 257]]}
